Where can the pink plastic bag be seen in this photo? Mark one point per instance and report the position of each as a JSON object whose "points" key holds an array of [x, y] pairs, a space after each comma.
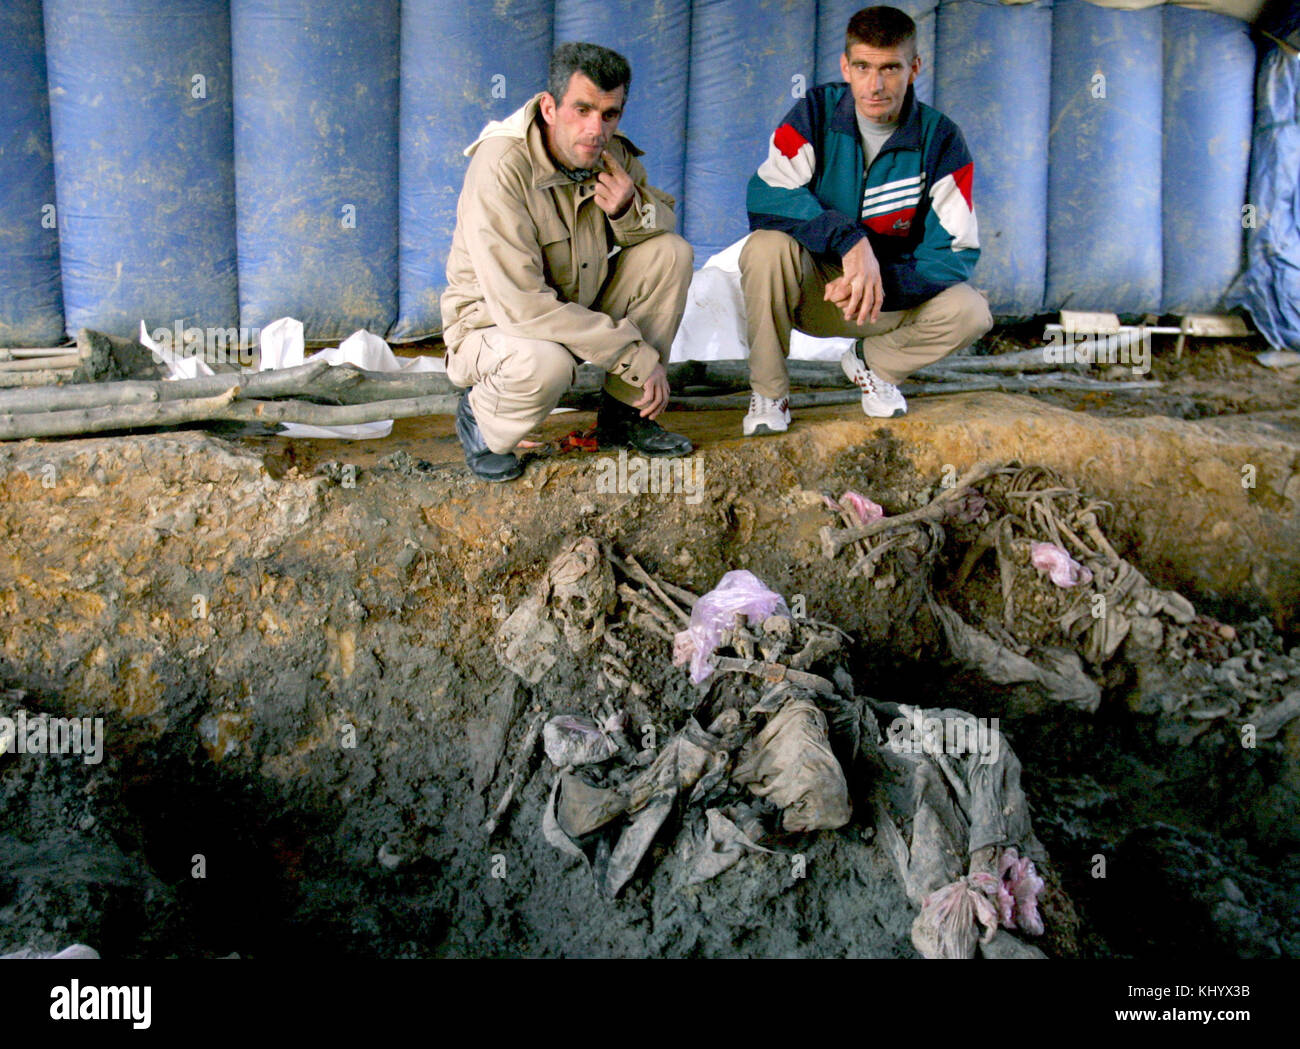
{"points": [[1020, 881], [738, 591], [862, 508], [1061, 568]]}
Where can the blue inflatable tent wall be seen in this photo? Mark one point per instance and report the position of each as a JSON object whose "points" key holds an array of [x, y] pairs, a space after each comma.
{"points": [[227, 162], [140, 106]]}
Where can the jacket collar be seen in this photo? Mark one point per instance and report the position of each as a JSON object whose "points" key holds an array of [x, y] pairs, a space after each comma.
{"points": [[906, 136], [525, 123], [545, 171]]}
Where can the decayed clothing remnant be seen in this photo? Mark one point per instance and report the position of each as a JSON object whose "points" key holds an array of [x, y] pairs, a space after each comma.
{"points": [[791, 763], [1059, 670], [577, 807], [957, 783], [945, 786]]}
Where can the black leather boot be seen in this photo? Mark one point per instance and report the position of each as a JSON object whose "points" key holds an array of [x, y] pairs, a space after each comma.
{"points": [[484, 463], [621, 425]]}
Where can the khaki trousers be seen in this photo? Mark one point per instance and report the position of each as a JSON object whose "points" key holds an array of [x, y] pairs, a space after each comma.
{"points": [[518, 381], [784, 286]]}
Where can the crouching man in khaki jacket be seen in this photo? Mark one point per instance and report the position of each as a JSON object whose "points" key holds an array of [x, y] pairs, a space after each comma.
{"points": [[562, 253]]}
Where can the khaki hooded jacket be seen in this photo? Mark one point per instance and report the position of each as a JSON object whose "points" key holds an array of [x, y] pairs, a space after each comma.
{"points": [[531, 250]]}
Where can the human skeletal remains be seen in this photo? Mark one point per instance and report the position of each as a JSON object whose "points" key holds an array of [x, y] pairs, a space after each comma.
{"points": [[761, 749]]}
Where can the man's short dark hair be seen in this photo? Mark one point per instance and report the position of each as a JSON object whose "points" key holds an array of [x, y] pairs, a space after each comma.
{"points": [[605, 68], [881, 27]]}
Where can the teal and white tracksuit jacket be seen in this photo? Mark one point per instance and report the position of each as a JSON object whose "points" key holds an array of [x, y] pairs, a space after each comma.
{"points": [[914, 205]]}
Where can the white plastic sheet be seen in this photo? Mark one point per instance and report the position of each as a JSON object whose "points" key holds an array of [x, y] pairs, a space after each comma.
{"points": [[713, 326]]}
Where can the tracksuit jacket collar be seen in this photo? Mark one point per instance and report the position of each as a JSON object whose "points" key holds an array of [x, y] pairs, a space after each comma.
{"points": [[908, 133]]}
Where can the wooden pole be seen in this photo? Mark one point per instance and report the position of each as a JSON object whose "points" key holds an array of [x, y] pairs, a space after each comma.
{"points": [[224, 407], [31, 364]]}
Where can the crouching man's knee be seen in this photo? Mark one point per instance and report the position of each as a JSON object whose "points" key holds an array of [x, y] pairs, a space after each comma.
{"points": [[768, 248], [683, 255], [965, 313], [667, 255], [540, 371]]}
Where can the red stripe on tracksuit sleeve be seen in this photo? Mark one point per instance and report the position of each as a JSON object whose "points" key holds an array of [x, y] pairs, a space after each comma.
{"points": [[963, 176], [788, 140]]}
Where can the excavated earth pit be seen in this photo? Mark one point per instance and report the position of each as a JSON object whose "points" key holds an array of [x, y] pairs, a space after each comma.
{"points": [[292, 647]]}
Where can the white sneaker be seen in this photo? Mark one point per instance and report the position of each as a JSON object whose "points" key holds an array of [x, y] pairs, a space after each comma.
{"points": [[880, 399], [766, 415]]}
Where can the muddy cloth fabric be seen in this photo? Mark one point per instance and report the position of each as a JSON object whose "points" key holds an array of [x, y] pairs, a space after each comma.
{"points": [[526, 642], [572, 740], [787, 767], [959, 787], [967, 860], [576, 807], [790, 763], [1058, 670], [720, 844]]}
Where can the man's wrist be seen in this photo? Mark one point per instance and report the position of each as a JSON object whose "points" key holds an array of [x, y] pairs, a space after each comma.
{"points": [[849, 239], [637, 363], [629, 211]]}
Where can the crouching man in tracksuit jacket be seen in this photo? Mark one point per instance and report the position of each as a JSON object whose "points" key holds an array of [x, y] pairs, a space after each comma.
{"points": [[864, 227]]}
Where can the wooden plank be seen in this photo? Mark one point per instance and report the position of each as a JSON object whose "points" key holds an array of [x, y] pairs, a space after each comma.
{"points": [[1090, 323], [1215, 325]]}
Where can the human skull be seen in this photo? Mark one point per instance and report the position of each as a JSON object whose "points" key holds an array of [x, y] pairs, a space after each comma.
{"points": [[778, 633], [582, 593]]}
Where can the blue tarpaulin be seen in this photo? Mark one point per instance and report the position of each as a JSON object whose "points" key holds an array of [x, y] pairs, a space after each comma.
{"points": [[31, 297], [1270, 287], [225, 162]]}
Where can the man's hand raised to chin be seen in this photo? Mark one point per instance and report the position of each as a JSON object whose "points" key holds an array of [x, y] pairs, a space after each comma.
{"points": [[859, 294], [614, 187]]}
